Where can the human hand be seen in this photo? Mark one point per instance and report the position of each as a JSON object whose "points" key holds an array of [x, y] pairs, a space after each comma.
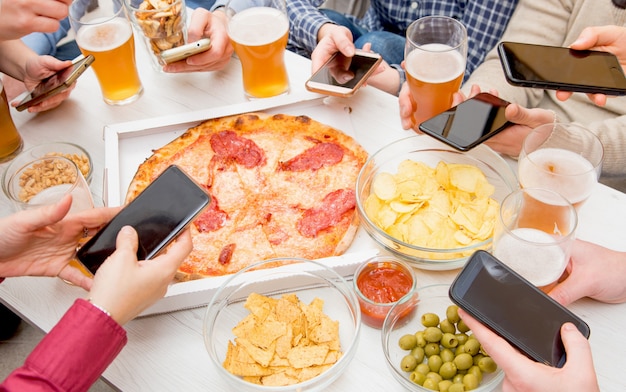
{"points": [[41, 242], [38, 68], [523, 374], [407, 107], [610, 39], [595, 272], [21, 17], [125, 287], [331, 39], [214, 26]]}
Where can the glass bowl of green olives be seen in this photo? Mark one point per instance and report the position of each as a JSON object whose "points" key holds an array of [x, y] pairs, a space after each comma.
{"points": [[427, 347]]}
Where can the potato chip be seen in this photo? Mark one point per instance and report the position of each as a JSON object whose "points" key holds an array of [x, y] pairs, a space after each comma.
{"points": [[445, 207], [282, 341]]}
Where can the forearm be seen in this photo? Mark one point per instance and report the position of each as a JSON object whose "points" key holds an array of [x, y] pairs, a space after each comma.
{"points": [[305, 20], [14, 55], [73, 354]]}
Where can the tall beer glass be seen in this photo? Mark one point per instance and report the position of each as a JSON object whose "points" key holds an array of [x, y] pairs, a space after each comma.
{"points": [[565, 158], [10, 140], [434, 61], [105, 32], [534, 234], [259, 36]]}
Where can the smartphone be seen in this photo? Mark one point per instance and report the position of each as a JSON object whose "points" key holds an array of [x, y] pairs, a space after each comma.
{"points": [[514, 308], [342, 76], [469, 123], [56, 83], [558, 68], [158, 214], [182, 52]]}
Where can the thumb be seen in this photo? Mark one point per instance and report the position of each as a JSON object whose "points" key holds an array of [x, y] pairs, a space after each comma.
{"points": [[585, 40], [47, 215], [529, 117], [567, 291], [127, 240], [577, 348]]}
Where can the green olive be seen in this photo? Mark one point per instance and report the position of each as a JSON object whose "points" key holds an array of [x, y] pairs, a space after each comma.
{"points": [[448, 340], [418, 353], [432, 349], [472, 346], [444, 386], [456, 387], [434, 363], [470, 381], [462, 327], [431, 384], [447, 370], [458, 379], [452, 314], [447, 355], [408, 363], [407, 342], [417, 377], [430, 320], [432, 334], [446, 326], [477, 358], [421, 342], [487, 365], [434, 376], [423, 368], [463, 361], [461, 337], [475, 370]]}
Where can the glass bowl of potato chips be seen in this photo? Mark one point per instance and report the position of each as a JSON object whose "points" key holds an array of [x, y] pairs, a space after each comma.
{"points": [[429, 204], [286, 324], [428, 348]]}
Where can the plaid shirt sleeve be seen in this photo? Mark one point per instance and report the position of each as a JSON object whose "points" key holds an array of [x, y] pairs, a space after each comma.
{"points": [[305, 21], [485, 21]]}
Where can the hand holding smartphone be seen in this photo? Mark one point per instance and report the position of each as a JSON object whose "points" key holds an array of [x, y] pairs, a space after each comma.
{"points": [[182, 52], [342, 76], [158, 214], [513, 308], [560, 68], [470, 123], [55, 84]]}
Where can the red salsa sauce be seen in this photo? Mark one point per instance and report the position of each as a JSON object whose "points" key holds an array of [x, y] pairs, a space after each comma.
{"points": [[382, 283]]}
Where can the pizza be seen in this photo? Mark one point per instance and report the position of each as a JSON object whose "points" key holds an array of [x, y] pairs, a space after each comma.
{"points": [[280, 186]]}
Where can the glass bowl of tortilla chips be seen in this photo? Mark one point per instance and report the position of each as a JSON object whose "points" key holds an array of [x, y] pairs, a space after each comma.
{"points": [[429, 204], [285, 324]]}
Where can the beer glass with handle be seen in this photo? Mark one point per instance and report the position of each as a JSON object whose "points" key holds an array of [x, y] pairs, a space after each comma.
{"points": [[563, 157], [10, 140], [434, 60], [259, 36], [534, 233], [103, 30]]}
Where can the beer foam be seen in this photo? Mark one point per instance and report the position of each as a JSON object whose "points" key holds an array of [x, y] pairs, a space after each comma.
{"points": [[532, 253], [104, 37], [563, 171], [435, 63], [258, 26]]}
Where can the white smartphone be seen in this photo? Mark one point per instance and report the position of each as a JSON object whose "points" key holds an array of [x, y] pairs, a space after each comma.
{"points": [[342, 76], [182, 52]]}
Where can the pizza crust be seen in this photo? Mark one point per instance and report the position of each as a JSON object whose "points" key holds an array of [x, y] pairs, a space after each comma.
{"points": [[281, 186]]}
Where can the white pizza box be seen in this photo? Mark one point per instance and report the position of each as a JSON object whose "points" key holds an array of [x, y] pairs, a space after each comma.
{"points": [[128, 144]]}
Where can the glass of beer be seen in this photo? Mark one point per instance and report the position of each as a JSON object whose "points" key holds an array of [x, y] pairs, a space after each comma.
{"points": [[565, 158], [259, 36], [534, 234], [10, 140], [434, 60], [103, 30]]}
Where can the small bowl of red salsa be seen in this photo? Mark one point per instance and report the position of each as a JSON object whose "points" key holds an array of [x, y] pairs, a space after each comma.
{"points": [[379, 283]]}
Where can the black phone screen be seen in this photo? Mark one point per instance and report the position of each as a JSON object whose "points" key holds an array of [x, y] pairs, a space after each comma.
{"points": [[513, 308], [356, 67], [469, 123], [562, 68], [158, 214]]}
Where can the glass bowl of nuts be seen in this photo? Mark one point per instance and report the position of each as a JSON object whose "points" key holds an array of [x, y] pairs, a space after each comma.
{"points": [[71, 151]]}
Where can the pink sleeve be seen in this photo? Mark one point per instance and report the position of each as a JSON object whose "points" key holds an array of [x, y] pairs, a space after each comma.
{"points": [[72, 355]]}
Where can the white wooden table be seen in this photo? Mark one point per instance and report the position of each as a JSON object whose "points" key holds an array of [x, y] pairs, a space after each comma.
{"points": [[166, 352]]}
